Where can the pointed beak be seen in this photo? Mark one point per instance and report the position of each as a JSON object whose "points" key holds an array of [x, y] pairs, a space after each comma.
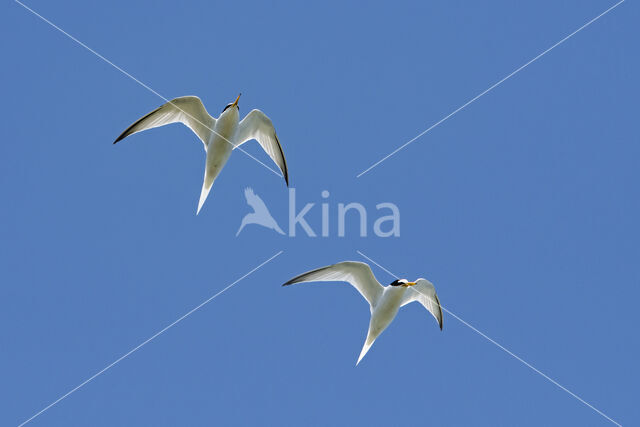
{"points": [[236, 101], [411, 283]]}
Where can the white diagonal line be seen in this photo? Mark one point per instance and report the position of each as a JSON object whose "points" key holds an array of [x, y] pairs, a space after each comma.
{"points": [[489, 89], [140, 83], [501, 347], [136, 348]]}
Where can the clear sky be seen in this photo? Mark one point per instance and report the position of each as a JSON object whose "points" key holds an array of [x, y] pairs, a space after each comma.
{"points": [[522, 209]]}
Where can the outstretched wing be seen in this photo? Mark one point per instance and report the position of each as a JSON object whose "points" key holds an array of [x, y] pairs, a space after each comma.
{"points": [[425, 293], [358, 274], [187, 110], [255, 201], [256, 125]]}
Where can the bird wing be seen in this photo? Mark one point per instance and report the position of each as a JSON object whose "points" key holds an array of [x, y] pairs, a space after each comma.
{"points": [[187, 110], [254, 201], [256, 125], [425, 293], [358, 274]]}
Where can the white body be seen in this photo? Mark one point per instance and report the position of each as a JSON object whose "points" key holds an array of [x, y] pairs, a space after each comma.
{"points": [[385, 310], [218, 149]]}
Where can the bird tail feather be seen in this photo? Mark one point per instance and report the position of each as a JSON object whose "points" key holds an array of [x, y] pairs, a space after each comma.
{"points": [[206, 187], [365, 348]]}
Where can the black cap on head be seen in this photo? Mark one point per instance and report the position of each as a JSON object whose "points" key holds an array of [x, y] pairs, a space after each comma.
{"points": [[233, 104]]}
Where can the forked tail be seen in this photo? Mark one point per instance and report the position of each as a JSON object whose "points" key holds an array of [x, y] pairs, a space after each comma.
{"points": [[206, 187], [367, 345]]}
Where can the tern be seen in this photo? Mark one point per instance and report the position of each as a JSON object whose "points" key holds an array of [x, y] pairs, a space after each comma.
{"points": [[220, 136], [384, 301]]}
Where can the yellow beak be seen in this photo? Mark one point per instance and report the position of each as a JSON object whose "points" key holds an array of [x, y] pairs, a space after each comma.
{"points": [[411, 283], [236, 101]]}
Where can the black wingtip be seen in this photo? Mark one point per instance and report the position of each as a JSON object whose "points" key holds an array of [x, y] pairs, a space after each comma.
{"points": [[122, 136], [283, 169], [129, 131]]}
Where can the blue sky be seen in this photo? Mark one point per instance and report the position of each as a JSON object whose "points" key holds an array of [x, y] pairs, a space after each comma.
{"points": [[522, 209]]}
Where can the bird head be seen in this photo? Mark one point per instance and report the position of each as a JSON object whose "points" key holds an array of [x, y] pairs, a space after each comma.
{"points": [[402, 282], [234, 104]]}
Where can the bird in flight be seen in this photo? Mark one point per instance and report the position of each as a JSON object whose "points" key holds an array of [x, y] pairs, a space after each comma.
{"points": [[220, 136], [260, 214], [384, 301]]}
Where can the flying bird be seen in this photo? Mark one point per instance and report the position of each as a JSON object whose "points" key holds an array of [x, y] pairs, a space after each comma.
{"points": [[220, 136], [384, 301], [260, 214]]}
